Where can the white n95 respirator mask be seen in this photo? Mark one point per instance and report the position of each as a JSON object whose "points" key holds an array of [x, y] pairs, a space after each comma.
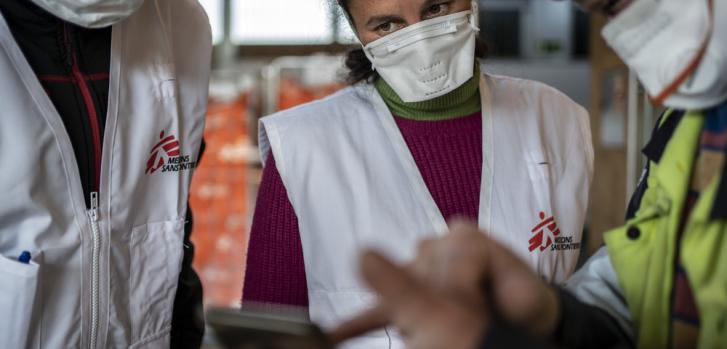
{"points": [[90, 13], [427, 59], [677, 48]]}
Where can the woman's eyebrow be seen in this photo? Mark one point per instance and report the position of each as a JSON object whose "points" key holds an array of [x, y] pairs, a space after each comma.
{"points": [[429, 3], [376, 20]]}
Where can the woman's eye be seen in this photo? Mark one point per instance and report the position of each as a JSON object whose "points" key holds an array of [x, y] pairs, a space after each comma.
{"points": [[436, 10], [386, 28]]}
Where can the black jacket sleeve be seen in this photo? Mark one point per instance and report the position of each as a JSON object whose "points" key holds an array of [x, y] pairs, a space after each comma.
{"points": [[586, 326], [503, 336], [582, 326], [188, 315]]}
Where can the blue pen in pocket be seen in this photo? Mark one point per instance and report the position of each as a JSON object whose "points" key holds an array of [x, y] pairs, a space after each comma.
{"points": [[24, 257]]}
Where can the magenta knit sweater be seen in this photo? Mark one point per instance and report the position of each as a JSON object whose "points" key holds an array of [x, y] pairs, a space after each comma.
{"points": [[449, 156]]}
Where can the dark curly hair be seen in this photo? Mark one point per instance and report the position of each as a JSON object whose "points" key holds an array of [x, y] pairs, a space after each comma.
{"points": [[359, 66]]}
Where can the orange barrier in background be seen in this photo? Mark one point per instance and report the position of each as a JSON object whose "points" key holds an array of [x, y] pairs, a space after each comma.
{"points": [[219, 200], [293, 93]]}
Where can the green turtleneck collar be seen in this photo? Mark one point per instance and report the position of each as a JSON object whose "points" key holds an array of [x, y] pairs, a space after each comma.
{"points": [[463, 101]]}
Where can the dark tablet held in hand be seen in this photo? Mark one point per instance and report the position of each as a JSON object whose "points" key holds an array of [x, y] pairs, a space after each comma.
{"points": [[244, 329]]}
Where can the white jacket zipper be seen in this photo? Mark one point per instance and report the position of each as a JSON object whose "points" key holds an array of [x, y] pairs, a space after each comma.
{"points": [[93, 217]]}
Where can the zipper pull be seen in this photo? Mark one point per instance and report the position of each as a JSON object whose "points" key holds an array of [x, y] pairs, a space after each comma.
{"points": [[93, 212]]}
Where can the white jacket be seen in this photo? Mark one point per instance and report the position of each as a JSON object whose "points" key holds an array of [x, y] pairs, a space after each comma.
{"points": [[107, 277], [354, 184]]}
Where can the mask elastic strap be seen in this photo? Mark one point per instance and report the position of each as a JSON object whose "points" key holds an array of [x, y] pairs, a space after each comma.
{"points": [[475, 16], [689, 70]]}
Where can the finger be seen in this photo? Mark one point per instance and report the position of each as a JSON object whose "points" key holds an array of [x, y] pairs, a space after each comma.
{"points": [[425, 247], [390, 281], [520, 294], [516, 289], [463, 255], [501, 260], [462, 226], [367, 321], [425, 261]]}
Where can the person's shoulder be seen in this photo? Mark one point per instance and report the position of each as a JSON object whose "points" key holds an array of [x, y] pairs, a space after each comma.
{"points": [[534, 91], [344, 102], [310, 123], [190, 21], [558, 118], [189, 7]]}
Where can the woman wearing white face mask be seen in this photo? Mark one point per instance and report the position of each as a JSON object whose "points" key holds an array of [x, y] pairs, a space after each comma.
{"points": [[420, 137]]}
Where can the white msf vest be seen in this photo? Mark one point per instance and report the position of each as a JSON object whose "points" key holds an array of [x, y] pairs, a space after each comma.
{"points": [[106, 277], [354, 185]]}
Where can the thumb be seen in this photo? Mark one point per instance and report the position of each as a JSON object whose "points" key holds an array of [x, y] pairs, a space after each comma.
{"points": [[389, 281], [386, 279], [521, 295], [367, 321]]}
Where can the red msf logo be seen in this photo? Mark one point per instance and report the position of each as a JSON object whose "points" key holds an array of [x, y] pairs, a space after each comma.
{"points": [[166, 148], [544, 233]]}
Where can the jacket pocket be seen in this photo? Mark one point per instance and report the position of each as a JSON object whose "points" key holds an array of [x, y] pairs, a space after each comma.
{"points": [[539, 172], [18, 288], [539, 169], [538, 166], [166, 80], [156, 259]]}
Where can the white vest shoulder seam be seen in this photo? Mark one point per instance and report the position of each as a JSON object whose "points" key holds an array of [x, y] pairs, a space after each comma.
{"points": [[580, 133], [307, 114]]}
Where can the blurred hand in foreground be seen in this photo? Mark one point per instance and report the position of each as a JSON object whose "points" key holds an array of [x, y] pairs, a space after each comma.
{"points": [[449, 296]]}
